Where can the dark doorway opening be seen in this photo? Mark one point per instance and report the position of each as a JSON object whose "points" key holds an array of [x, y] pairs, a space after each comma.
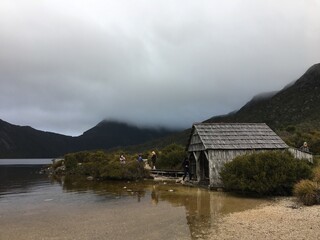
{"points": [[204, 168]]}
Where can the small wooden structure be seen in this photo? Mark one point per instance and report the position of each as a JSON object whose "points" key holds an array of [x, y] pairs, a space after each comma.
{"points": [[167, 173], [211, 145]]}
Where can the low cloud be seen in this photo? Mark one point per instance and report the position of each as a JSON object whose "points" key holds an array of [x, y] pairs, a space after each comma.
{"points": [[65, 66]]}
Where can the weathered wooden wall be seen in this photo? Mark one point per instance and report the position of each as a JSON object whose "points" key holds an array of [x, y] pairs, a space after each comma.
{"points": [[217, 159], [195, 143], [300, 154]]}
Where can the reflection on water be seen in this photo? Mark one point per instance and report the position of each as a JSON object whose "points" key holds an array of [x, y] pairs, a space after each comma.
{"points": [[18, 178], [203, 208], [106, 190]]}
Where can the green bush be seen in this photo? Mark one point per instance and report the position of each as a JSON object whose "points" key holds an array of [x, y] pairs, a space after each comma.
{"points": [[57, 164], [129, 171], [316, 175], [104, 165], [296, 135], [291, 129], [171, 157], [307, 192], [71, 162], [316, 160], [264, 173]]}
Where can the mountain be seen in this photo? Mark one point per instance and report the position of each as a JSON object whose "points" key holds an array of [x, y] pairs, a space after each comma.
{"points": [[293, 112], [296, 104], [111, 134], [26, 142]]}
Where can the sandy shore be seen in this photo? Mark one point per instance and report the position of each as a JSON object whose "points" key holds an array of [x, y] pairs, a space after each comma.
{"points": [[282, 219]]}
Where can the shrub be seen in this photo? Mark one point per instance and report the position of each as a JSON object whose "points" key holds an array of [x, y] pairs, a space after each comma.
{"points": [[264, 173], [57, 164], [89, 169], [316, 175], [307, 192], [171, 157], [71, 162], [104, 165], [291, 128], [79, 161], [130, 171], [316, 160]]}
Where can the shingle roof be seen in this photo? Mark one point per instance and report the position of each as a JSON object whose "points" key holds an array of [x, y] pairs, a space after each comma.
{"points": [[235, 136]]}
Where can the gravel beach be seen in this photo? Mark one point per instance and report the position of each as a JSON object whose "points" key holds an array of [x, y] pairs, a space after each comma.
{"points": [[282, 219]]}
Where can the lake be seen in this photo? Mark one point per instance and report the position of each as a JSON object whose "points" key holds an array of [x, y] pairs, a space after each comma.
{"points": [[34, 206]]}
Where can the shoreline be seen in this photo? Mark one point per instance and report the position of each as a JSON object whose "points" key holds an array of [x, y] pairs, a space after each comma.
{"points": [[282, 219]]}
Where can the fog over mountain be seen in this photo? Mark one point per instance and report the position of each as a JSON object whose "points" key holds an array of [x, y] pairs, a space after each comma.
{"points": [[296, 104], [293, 112], [26, 142]]}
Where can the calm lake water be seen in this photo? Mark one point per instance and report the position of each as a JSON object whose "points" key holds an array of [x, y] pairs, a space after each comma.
{"points": [[34, 206]]}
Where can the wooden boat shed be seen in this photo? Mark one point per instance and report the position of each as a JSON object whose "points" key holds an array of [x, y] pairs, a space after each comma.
{"points": [[211, 145]]}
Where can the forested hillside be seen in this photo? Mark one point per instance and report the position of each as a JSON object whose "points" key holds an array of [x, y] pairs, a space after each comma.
{"points": [[293, 112]]}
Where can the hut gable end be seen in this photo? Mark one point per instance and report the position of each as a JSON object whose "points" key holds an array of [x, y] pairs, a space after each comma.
{"points": [[195, 142]]}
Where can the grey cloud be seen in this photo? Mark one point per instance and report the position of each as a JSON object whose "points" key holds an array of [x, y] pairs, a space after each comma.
{"points": [[66, 65]]}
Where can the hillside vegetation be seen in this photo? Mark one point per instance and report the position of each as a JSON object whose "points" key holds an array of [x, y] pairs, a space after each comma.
{"points": [[102, 165], [293, 112]]}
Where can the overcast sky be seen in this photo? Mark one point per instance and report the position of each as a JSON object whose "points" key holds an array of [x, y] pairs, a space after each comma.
{"points": [[65, 65]]}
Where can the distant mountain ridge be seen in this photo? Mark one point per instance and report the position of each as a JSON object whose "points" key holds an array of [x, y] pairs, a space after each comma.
{"points": [[118, 134], [296, 103], [26, 142]]}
